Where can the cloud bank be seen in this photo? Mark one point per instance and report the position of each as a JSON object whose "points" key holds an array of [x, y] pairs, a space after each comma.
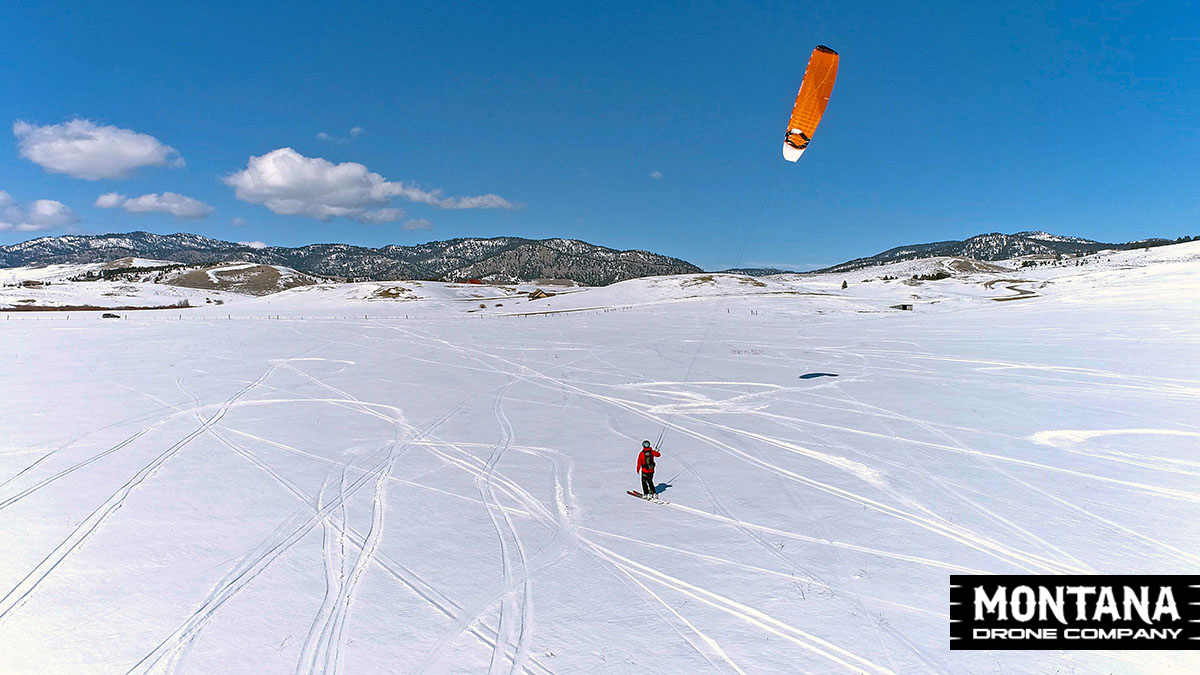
{"points": [[168, 202], [289, 183], [83, 149], [43, 214]]}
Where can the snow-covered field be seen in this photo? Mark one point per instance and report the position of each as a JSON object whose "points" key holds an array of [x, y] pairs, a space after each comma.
{"points": [[344, 489]]}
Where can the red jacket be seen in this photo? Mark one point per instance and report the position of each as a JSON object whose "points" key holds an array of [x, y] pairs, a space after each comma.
{"points": [[642, 466]]}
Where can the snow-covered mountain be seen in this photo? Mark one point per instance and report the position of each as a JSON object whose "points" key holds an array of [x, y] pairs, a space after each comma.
{"points": [[499, 258], [181, 247], [1046, 236], [141, 283], [995, 246]]}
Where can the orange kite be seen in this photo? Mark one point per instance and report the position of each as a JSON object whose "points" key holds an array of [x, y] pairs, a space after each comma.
{"points": [[815, 89]]}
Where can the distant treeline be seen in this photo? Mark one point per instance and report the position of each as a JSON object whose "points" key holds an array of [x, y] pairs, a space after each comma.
{"points": [[120, 272], [935, 276], [183, 304], [1163, 242]]}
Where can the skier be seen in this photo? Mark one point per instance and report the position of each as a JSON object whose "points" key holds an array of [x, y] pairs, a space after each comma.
{"points": [[645, 467]]}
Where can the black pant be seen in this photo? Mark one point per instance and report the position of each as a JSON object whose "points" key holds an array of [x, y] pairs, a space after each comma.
{"points": [[648, 483]]}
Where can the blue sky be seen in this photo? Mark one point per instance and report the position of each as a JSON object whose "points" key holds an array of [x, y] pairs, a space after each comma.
{"points": [[632, 125]]}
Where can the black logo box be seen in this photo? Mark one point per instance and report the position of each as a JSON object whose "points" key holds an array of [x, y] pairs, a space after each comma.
{"points": [[1126, 631]]}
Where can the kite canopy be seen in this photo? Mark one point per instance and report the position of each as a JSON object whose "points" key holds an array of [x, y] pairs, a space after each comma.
{"points": [[814, 94]]}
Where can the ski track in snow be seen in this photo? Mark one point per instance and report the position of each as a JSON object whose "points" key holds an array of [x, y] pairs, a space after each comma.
{"points": [[30, 582], [329, 638], [479, 470], [414, 582], [503, 642], [286, 535], [539, 376], [508, 533], [956, 533]]}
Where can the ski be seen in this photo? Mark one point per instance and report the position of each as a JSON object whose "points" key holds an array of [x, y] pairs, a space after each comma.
{"points": [[639, 495]]}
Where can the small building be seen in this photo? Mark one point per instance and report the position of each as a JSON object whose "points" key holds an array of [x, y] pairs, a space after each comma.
{"points": [[904, 306], [31, 283], [539, 294], [474, 281]]}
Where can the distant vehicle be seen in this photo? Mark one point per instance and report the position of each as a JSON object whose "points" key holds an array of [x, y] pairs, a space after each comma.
{"points": [[110, 315]]}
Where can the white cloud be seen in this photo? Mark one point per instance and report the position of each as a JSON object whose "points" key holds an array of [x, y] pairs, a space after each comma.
{"points": [[376, 216], [46, 213], [109, 200], [488, 201], [656, 175], [253, 244], [419, 224], [289, 183], [355, 132], [238, 222], [168, 202], [43, 214], [83, 149]]}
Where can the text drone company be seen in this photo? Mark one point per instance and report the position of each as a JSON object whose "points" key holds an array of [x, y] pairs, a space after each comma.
{"points": [[1074, 612], [1076, 634]]}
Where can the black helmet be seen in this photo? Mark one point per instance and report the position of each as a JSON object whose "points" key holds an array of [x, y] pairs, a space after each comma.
{"points": [[645, 444]]}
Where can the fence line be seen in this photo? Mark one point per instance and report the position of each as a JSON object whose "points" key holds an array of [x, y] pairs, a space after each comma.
{"points": [[57, 315]]}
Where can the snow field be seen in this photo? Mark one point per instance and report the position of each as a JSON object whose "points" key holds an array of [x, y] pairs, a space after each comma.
{"points": [[446, 494]]}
